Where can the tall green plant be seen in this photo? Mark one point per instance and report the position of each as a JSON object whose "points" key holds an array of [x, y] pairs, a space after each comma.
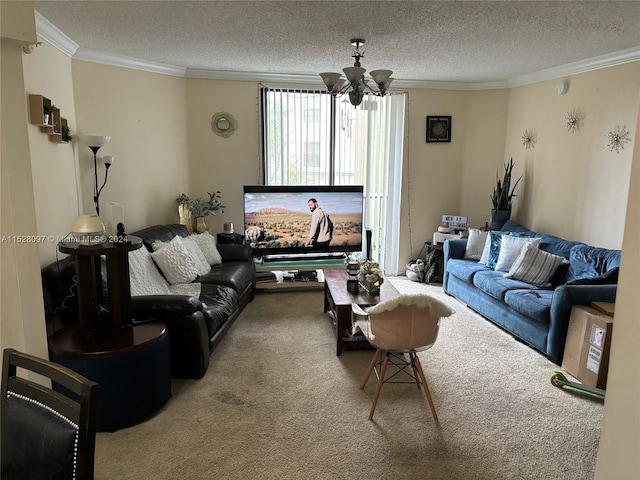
{"points": [[503, 194]]}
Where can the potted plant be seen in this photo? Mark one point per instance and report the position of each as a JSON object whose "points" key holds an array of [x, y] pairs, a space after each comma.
{"points": [[502, 197], [194, 210], [66, 133], [48, 109]]}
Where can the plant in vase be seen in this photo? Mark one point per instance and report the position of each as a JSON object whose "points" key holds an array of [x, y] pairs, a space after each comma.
{"points": [[48, 109], [193, 211], [502, 197], [370, 276]]}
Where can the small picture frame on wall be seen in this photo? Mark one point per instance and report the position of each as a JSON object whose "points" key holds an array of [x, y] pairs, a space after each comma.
{"points": [[439, 128]]}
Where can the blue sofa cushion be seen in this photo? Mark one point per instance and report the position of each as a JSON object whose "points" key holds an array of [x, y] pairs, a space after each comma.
{"points": [[556, 245], [464, 269], [610, 277], [513, 226], [586, 261], [495, 284], [532, 303]]}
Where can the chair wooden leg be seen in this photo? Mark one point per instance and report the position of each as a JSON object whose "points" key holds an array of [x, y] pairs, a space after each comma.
{"points": [[371, 365], [416, 375], [426, 388], [379, 386]]}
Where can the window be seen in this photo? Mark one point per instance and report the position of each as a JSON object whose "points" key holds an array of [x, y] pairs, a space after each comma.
{"points": [[310, 138]]}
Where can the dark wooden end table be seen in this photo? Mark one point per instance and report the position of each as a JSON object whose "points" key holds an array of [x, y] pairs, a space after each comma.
{"points": [[338, 300]]}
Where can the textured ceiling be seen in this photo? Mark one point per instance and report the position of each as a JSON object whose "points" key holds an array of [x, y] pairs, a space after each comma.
{"points": [[450, 41]]}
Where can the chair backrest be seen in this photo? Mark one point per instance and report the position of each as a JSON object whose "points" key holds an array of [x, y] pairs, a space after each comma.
{"points": [[46, 433], [407, 322]]}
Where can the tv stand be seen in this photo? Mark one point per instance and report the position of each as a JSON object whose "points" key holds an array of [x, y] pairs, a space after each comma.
{"points": [[303, 257], [283, 269]]}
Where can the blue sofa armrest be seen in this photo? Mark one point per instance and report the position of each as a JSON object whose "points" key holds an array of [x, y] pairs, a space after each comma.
{"points": [[565, 297], [452, 249]]}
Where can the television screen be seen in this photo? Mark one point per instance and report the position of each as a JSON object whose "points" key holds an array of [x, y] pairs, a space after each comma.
{"points": [[303, 219]]}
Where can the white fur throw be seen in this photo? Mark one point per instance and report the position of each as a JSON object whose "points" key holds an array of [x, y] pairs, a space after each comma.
{"points": [[437, 308]]}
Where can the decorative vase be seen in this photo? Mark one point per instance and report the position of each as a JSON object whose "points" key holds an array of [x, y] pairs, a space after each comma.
{"points": [[200, 225], [499, 218], [186, 218]]}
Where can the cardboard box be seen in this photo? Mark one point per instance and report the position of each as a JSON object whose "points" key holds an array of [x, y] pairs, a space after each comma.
{"points": [[594, 361], [604, 307], [586, 355], [575, 337]]}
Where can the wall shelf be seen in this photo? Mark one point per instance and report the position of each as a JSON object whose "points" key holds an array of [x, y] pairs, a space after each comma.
{"points": [[52, 125]]}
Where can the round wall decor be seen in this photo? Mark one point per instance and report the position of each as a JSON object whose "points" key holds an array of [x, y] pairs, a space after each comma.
{"points": [[223, 124]]}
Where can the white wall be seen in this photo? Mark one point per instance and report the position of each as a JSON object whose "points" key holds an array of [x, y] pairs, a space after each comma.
{"points": [[54, 165], [223, 163], [145, 115], [22, 324], [573, 186]]}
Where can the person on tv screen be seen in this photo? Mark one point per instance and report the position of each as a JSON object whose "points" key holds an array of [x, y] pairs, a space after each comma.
{"points": [[321, 231]]}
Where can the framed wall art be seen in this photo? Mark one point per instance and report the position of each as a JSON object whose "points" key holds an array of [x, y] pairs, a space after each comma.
{"points": [[439, 128]]}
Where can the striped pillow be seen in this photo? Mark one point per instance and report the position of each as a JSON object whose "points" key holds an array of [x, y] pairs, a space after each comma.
{"points": [[535, 266]]}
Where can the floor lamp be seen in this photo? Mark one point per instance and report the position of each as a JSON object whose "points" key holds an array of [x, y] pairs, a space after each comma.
{"points": [[95, 142]]}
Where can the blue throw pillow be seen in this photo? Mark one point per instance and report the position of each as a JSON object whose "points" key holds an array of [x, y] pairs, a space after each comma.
{"points": [[607, 278], [586, 261], [494, 249]]}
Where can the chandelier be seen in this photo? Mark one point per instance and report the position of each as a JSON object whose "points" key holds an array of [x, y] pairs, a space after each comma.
{"points": [[357, 85]]}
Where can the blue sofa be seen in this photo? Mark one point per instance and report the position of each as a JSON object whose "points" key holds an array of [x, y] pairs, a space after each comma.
{"points": [[536, 315]]}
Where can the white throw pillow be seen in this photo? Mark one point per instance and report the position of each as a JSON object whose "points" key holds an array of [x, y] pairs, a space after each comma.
{"points": [[510, 248], [475, 244], [535, 266], [207, 244], [198, 257], [175, 262], [485, 251], [192, 247], [144, 277]]}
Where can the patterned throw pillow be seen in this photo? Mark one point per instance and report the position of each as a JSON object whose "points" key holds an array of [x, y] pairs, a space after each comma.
{"points": [[494, 248], [535, 266], [510, 248], [144, 277], [197, 255], [207, 244], [175, 262], [475, 244]]}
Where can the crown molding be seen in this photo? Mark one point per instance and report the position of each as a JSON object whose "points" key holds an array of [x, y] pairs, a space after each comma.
{"points": [[603, 61], [52, 35], [48, 32], [96, 56]]}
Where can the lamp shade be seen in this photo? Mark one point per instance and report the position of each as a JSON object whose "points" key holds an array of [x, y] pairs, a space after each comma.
{"points": [[354, 74], [94, 140], [380, 76], [330, 79], [108, 160], [88, 229]]}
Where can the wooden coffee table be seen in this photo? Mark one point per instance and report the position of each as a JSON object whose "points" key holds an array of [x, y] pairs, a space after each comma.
{"points": [[338, 300]]}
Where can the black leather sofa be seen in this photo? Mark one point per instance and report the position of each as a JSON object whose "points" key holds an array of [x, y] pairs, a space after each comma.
{"points": [[196, 325]]}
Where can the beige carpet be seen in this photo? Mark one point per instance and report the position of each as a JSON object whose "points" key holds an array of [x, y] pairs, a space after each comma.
{"points": [[276, 403]]}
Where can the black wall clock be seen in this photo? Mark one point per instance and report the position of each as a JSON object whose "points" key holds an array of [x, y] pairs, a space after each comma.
{"points": [[439, 128]]}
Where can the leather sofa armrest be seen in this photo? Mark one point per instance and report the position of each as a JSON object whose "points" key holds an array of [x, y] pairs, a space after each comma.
{"points": [[158, 306], [235, 253]]}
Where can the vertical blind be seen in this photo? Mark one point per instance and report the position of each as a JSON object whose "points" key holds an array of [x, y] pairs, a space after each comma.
{"points": [[310, 138]]}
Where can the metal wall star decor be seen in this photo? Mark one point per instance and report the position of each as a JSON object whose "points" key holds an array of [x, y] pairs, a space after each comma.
{"points": [[572, 121], [617, 137], [528, 139]]}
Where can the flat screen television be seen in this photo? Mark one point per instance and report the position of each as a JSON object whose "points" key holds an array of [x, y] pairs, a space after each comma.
{"points": [[277, 219]]}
